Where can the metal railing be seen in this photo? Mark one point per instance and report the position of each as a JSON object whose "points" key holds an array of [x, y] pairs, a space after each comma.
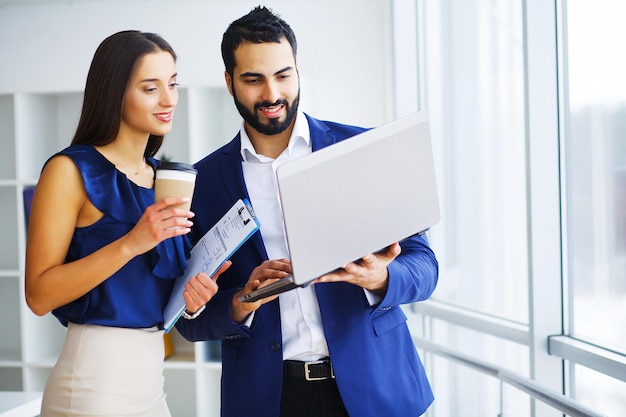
{"points": [[554, 399]]}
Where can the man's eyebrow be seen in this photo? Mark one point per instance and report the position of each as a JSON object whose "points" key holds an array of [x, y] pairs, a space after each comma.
{"points": [[256, 74], [283, 70], [250, 74]]}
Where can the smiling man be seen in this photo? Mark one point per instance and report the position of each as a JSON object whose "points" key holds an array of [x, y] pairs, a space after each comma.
{"points": [[340, 347]]}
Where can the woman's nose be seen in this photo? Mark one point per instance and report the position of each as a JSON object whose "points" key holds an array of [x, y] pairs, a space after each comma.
{"points": [[169, 97]]}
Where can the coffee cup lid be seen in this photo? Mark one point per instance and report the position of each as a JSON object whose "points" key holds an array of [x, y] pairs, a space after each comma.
{"points": [[176, 166]]}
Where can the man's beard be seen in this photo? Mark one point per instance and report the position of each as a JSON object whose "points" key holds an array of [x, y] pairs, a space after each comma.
{"points": [[274, 126]]}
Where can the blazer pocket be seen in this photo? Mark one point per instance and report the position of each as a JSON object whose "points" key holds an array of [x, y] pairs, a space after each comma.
{"points": [[388, 320]]}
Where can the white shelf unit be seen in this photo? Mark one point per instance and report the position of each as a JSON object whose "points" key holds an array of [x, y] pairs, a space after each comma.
{"points": [[34, 127]]}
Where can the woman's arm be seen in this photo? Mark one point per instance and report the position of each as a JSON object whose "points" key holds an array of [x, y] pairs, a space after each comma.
{"points": [[60, 204]]}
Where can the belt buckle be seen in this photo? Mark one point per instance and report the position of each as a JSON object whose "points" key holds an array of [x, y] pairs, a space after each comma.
{"points": [[307, 371]]}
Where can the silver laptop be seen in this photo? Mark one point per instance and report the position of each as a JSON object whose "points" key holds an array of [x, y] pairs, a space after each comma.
{"points": [[355, 197]]}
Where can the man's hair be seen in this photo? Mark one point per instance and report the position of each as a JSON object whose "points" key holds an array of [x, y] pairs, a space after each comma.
{"points": [[259, 26]]}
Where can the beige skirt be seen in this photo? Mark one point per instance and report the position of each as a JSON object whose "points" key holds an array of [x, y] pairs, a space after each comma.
{"points": [[107, 371]]}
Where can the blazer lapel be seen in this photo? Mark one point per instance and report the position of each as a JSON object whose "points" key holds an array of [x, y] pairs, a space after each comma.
{"points": [[321, 136]]}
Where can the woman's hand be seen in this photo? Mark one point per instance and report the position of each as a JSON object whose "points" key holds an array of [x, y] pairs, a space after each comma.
{"points": [[158, 222], [201, 288]]}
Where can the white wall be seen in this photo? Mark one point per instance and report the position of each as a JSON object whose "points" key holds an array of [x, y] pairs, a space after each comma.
{"points": [[344, 49]]}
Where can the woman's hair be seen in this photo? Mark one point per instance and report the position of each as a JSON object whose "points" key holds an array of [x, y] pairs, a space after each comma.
{"points": [[259, 26], [109, 74]]}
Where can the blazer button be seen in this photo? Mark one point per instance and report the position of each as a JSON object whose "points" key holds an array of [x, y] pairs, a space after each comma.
{"points": [[275, 346]]}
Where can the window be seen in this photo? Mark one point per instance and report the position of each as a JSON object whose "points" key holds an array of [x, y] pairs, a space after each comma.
{"points": [[594, 132], [595, 159], [484, 163], [475, 93], [527, 102]]}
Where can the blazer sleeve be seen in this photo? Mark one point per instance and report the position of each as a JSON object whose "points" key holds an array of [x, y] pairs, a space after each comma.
{"points": [[413, 275]]}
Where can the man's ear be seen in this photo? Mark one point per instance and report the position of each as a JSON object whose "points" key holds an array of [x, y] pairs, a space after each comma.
{"points": [[229, 82]]}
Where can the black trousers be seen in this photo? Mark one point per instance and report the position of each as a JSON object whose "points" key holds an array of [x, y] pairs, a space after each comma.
{"points": [[302, 398]]}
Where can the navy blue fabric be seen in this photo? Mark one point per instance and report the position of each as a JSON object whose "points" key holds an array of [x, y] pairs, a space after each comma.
{"points": [[136, 295]]}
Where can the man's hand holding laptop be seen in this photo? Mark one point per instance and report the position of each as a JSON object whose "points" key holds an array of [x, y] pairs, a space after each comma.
{"points": [[369, 272], [268, 272]]}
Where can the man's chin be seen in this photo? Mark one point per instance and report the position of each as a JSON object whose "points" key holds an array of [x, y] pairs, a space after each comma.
{"points": [[272, 128]]}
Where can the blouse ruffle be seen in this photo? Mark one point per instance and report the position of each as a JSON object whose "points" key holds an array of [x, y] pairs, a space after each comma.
{"points": [[106, 187]]}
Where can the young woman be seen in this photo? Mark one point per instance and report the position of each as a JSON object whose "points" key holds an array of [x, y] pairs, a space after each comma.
{"points": [[101, 254]]}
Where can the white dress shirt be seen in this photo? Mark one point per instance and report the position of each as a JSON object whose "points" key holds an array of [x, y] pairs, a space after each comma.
{"points": [[301, 321]]}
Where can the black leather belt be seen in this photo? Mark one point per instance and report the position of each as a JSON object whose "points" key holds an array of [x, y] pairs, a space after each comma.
{"points": [[311, 371]]}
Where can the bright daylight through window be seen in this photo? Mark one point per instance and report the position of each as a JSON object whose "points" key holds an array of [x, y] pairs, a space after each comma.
{"points": [[595, 180]]}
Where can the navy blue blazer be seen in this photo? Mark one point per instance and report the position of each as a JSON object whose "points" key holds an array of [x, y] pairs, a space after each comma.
{"points": [[377, 368]]}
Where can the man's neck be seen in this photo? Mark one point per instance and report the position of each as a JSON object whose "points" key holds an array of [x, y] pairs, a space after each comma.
{"points": [[269, 145]]}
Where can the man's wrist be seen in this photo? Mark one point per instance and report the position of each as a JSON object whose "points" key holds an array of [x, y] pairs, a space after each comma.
{"points": [[237, 314]]}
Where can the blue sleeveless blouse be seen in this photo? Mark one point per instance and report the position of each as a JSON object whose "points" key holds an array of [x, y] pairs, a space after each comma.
{"points": [[136, 295]]}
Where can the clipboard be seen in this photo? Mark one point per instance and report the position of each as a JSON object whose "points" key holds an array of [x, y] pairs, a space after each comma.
{"points": [[209, 254]]}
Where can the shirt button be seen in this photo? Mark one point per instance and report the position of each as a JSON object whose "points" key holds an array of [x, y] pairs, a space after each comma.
{"points": [[275, 346]]}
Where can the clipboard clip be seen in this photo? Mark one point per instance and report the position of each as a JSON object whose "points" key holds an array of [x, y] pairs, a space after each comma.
{"points": [[245, 213]]}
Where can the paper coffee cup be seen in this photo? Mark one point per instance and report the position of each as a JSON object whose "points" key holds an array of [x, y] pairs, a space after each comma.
{"points": [[175, 179]]}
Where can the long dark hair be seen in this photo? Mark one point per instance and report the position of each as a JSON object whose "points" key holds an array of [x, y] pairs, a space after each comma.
{"points": [[259, 26], [109, 74]]}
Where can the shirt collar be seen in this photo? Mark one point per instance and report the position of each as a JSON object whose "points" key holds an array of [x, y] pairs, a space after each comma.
{"points": [[300, 137]]}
